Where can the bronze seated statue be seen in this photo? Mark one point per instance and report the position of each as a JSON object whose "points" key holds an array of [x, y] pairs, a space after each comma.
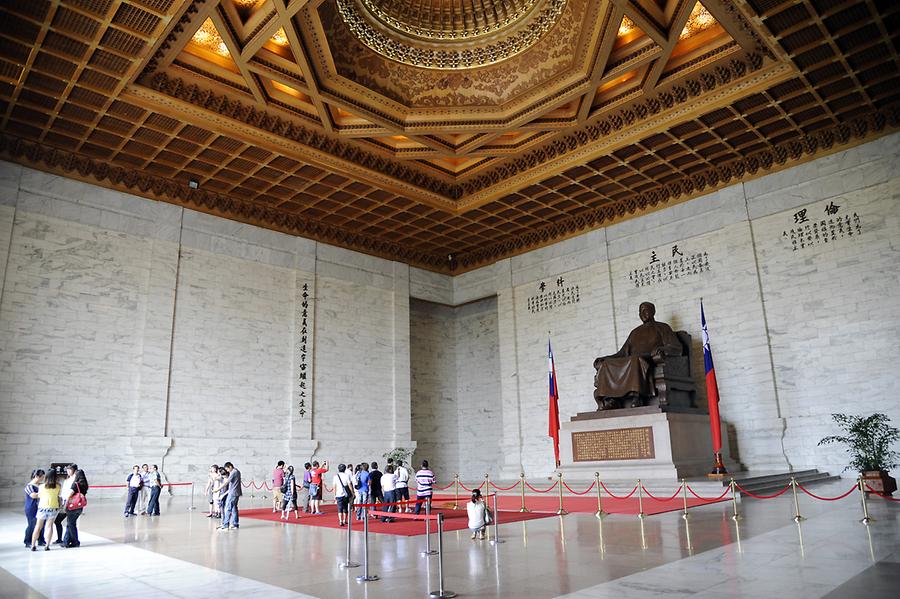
{"points": [[652, 368]]}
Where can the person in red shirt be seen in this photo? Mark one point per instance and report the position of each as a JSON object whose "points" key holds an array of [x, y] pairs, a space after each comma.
{"points": [[315, 486]]}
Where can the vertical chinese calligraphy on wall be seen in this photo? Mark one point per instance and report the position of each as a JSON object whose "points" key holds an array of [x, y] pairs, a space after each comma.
{"points": [[550, 298], [302, 350], [808, 229], [680, 265]]}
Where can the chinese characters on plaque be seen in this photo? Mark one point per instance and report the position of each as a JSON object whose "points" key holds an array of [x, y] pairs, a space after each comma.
{"points": [[677, 266], [808, 229], [550, 298], [303, 372], [615, 444]]}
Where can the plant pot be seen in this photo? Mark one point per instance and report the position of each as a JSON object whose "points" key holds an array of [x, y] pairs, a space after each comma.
{"points": [[881, 481]]}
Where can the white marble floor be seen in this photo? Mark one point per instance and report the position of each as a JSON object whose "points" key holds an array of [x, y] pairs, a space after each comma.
{"points": [[766, 556]]}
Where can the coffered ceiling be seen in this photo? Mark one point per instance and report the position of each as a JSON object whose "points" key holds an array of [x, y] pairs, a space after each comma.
{"points": [[443, 133]]}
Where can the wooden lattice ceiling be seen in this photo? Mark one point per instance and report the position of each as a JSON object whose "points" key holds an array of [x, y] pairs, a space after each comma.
{"points": [[287, 118]]}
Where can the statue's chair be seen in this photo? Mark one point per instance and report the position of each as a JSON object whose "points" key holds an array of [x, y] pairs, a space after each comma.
{"points": [[675, 386]]}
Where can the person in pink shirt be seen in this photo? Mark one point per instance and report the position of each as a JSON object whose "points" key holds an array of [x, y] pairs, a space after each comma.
{"points": [[277, 483]]}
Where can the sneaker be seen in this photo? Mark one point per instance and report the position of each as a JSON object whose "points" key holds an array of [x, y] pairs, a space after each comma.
{"points": [[318, 513], [222, 528], [474, 534]]}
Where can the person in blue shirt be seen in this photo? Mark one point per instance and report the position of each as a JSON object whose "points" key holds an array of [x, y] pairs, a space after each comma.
{"points": [[134, 482], [31, 505], [363, 490]]}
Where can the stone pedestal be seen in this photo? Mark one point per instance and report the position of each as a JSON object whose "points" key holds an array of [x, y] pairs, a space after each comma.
{"points": [[647, 443]]}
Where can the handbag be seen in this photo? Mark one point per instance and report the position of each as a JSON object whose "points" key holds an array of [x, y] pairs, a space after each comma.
{"points": [[77, 500], [488, 515]]}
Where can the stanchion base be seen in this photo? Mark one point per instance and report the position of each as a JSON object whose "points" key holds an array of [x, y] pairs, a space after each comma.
{"points": [[349, 565], [685, 516], [442, 594], [799, 518], [191, 508], [642, 515], [737, 517], [867, 520], [601, 514], [497, 541], [368, 578], [561, 512], [524, 510], [428, 553]]}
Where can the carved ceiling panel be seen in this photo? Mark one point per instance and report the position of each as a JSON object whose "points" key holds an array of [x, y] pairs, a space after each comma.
{"points": [[443, 133]]}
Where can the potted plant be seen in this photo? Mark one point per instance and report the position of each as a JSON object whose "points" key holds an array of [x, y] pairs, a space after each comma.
{"points": [[398, 454], [868, 440]]}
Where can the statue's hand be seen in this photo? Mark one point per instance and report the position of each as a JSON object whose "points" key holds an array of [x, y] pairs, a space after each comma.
{"points": [[658, 354]]}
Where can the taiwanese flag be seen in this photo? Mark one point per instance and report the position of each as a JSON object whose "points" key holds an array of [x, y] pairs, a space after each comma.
{"points": [[712, 388], [554, 404]]}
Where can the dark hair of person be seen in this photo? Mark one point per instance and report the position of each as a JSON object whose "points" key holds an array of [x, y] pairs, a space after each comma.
{"points": [[365, 466], [222, 471], [424, 463], [135, 466], [290, 469], [342, 468], [390, 461], [155, 467], [476, 495], [374, 465], [144, 466], [215, 467], [229, 465], [389, 468], [280, 463], [72, 467], [50, 478], [37, 472], [307, 465], [316, 464]]}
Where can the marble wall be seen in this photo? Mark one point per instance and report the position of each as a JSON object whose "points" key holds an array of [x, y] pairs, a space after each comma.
{"points": [[135, 331]]}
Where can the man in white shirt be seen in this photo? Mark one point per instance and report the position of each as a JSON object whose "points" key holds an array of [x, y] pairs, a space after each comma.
{"points": [[343, 484], [402, 490]]}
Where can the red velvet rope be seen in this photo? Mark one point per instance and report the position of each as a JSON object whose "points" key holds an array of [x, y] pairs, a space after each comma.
{"points": [[814, 496], [470, 490], [614, 496], [754, 496], [257, 487], [659, 499], [443, 488], [553, 486], [510, 488], [585, 492], [888, 497], [719, 498]]}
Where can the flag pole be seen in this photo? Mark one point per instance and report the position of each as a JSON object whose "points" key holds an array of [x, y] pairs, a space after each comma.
{"points": [[712, 395]]}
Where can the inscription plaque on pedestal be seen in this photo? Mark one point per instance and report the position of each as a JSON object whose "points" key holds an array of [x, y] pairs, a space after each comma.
{"points": [[614, 444]]}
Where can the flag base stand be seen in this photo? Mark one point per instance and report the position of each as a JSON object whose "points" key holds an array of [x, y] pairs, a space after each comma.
{"points": [[719, 471]]}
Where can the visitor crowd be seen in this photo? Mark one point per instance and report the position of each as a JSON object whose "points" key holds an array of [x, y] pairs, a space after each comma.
{"points": [[51, 500]]}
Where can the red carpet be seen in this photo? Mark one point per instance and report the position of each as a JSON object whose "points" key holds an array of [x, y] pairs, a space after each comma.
{"points": [[541, 506], [453, 520]]}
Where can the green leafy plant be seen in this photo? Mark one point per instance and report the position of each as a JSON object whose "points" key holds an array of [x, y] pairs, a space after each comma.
{"points": [[398, 454], [868, 440]]}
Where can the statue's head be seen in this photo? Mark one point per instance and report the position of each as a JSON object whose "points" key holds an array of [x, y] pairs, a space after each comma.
{"points": [[647, 311]]}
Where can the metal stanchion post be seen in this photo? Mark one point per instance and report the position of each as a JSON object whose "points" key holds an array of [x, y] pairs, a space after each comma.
{"points": [[600, 513], [862, 493], [441, 592], [428, 550], [523, 509], [192, 496], [496, 540], [684, 514], [365, 576], [487, 485], [640, 490], [456, 501], [560, 511], [735, 515], [797, 516], [349, 563]]}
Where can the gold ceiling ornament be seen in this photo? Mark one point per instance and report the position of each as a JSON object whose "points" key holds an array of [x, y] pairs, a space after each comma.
{"points": [[627, 26], [280, 38], [441, 20], [208, 37], [699, 20], [511, 37]]}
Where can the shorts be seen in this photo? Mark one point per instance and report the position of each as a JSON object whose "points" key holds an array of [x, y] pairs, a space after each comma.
{"points": [[342, 504], [278, 494], [47, 513], [314, 491]]}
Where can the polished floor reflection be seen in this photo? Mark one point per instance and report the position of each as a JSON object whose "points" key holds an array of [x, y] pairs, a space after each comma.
{"points": [[765, 554]]}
